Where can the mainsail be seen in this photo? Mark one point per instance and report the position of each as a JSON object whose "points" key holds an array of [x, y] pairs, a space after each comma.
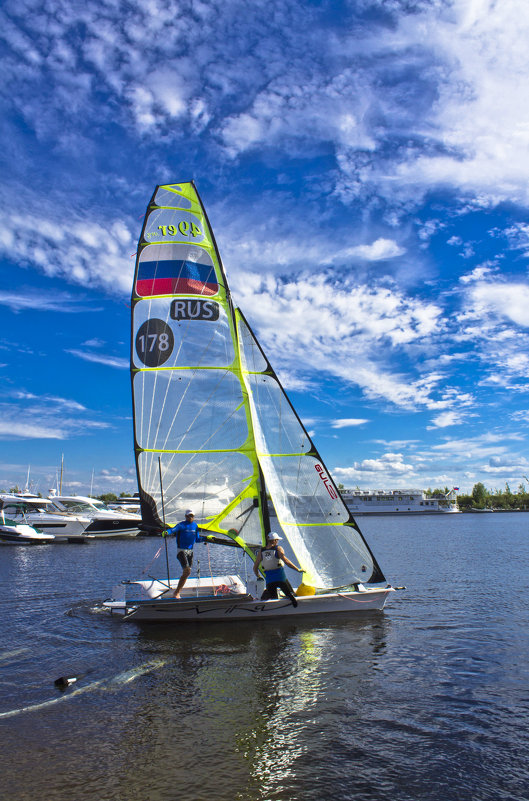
{"points": [[214, 429]]}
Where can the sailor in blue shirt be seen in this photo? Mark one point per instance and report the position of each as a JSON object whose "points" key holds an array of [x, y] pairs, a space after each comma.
{"points": [[186, 534]]}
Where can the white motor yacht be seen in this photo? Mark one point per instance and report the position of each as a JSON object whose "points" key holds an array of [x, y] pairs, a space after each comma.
{"points": [[12, 533], [43, 515], [104, 522]]}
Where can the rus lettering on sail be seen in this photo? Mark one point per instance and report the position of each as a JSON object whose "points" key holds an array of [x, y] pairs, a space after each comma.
{"points": [[191, 309]]}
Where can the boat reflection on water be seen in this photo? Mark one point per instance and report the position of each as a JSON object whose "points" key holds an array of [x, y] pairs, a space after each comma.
{"points": [[251, 705]]}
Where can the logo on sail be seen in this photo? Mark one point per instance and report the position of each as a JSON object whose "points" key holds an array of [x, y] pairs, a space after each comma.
{"points": [[326, 480], [175, 277]]}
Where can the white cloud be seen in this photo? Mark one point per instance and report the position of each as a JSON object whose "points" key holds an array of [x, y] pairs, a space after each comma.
{"points": [[101, 358], [43, 417], [350, 331], [477, 274], [463, 95], [17, 429], [446, 419], [349, 422], [53, 400], [83, 252], [379, 250], [506, 300], [64, 302], [521, 415], [388, 466]]}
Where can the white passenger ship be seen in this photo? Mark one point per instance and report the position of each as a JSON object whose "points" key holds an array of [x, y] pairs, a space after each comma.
{"points": [[398, 501]]}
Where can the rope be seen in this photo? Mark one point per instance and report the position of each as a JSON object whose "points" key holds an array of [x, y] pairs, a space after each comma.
{"points": [[209, 563], [156, 555]]}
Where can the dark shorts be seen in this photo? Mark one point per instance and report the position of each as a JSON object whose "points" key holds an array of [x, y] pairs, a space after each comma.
{"points": [[185, 558], [270, 592]]}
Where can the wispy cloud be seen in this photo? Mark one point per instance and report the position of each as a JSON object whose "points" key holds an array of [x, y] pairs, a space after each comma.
{"points": [[446, 419], [17, 429], [359, 99], [380, 250], [506, 300], [349, 422], [29, 416], [51, 400], [82, 251], [63, 302], [100, 358]]}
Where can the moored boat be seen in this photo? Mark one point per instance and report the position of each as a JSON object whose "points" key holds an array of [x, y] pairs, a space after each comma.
{"points": [[399, 502], [104, 522], [13, 533], [44, 516]]}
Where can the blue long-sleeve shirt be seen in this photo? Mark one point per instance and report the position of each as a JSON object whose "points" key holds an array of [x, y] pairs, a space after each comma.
{"points": [[186, 534]]}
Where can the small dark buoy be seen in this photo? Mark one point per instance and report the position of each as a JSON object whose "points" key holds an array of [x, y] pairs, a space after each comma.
{"points": [[64, 682]]}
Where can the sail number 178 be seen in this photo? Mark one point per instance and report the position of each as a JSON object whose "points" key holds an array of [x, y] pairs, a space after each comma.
{"points": [[154, 342]]}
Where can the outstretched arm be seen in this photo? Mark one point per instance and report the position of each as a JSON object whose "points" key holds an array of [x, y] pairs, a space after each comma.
{"points": [[287, 561]]}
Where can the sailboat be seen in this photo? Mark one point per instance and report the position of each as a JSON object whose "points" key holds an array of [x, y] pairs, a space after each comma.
{"points": [[214, 431]]}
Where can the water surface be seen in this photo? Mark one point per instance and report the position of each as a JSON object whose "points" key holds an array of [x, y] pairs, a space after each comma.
{"points": [[426, 700]]}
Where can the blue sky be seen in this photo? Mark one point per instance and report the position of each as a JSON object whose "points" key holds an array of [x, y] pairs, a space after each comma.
{"points": [[365, 168]]}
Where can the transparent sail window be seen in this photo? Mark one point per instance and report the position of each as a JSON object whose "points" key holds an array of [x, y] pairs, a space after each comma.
{"points": [[193, 481], [166, 197], [279, 430], [189, 410]]}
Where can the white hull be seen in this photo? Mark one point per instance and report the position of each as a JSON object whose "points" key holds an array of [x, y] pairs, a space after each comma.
{"points": [[238, 605], [42, 515], [111, 534], [22, 534], [398, 502], [359, 512], [103, 521]]}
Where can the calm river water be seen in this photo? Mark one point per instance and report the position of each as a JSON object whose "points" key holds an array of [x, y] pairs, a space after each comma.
{"points": [[426, 700]]}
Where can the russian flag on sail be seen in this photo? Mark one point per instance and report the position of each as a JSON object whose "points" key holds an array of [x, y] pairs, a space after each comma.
{"points": [[175, 277]]}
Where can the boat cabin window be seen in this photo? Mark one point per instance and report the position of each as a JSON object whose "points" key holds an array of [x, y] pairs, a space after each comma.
{"points": [[12, 509], [73, 506]]}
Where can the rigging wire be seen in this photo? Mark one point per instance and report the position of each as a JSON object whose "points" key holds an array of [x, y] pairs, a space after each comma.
{"points": [[164, 535]]}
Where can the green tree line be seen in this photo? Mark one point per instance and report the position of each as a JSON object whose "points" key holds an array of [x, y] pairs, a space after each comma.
{"points": [[482, 498]]}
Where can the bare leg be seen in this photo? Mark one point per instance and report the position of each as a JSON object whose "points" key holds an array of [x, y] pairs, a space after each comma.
{"points": [[185, 575]]}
